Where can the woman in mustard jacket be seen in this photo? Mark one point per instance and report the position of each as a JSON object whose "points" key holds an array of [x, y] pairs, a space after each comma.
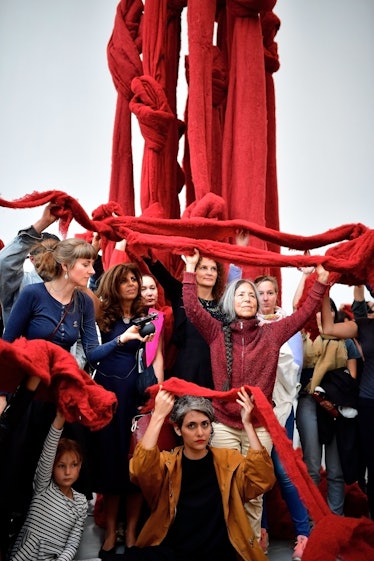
{"points": [[195, 492]]}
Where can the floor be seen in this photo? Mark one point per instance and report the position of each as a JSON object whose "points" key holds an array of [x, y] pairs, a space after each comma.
{"points": [[93, 537]]}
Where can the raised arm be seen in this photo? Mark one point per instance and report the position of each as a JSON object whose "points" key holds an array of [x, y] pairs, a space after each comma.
{"points": [[359, 308], [306, 271], [163, 405], [13, 255], [247, 404], [344, 330], [43, 473]]}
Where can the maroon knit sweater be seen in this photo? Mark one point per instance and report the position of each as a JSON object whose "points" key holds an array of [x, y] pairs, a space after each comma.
{"points": [[255, 349]]}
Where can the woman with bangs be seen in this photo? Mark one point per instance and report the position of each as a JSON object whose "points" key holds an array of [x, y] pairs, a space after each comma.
{"points": [[190, 356]]}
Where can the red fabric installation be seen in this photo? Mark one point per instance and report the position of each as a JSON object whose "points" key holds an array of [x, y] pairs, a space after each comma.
{"points": [[161, 45], [333, 536], [230, 114], [200, 34], [349, 261], [155, 119], [338, 537], [62, 381], [124, 62], [270, 25]]}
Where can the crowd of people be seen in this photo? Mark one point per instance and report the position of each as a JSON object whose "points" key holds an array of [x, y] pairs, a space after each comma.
{"points": [[206, 499]]}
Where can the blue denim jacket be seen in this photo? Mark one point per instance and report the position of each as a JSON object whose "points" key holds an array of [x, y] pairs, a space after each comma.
{"points": [[12, 274]]}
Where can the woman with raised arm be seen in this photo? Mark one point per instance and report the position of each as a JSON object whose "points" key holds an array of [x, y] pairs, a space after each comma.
{"points": [[361, 329], [191, 357], [251, 351], [196, 492]]}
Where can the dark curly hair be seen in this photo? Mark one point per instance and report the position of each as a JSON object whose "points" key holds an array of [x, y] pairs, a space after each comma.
{"points": [[108, 293]]}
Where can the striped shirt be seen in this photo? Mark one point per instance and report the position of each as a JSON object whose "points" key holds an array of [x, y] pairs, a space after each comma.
{"points": [[54, 524]]}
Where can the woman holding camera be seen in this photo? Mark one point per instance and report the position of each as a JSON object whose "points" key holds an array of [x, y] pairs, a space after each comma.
{"points": [[119, 292]]}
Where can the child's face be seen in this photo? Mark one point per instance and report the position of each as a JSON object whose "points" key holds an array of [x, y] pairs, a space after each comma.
{"points": [[66, 470]]}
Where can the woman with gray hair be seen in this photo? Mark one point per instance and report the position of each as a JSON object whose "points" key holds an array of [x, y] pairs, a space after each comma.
{"points": [[196, 492], [243, 352]]}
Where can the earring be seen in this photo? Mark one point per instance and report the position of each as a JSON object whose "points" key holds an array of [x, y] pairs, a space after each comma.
{"points": [[66, 276], [211, 437]]}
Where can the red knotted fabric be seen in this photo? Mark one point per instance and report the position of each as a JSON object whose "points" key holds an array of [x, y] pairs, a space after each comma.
{"points": [[160, 61], [107, 246], [200, 16], [349, 259], [244, 153], [62, 381], [270, 24], [124, 63], [155, 117]]}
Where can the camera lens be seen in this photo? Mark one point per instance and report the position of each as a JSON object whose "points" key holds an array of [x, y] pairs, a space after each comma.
{"points": [[147, 329]]}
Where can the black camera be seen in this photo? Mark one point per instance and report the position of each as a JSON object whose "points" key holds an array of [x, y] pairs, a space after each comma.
{"points": [[146, 327]]}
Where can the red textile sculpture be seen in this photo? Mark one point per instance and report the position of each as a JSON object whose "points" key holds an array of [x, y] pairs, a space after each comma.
{"points": [[200, 34], [161, 46], [230, 114], [77, 395], [244, 150], [270, 24], [155, 119], [349, 261], [124, 61]]}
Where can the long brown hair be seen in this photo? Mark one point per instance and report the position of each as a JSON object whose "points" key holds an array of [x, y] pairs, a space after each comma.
{"points": [[220, 283], [110, 296], [49, 256]]}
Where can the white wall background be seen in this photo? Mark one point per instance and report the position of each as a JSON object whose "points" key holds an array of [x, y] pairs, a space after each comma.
{"points": [[58, 102]]}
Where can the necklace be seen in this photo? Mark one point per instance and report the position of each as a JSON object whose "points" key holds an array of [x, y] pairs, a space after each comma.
{"points": [[57, 290], [126, 320]]}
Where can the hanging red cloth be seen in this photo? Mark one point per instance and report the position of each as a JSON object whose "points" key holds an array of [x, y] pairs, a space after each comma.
{"points": [[244, 153], [62, 381], [124, 63]]}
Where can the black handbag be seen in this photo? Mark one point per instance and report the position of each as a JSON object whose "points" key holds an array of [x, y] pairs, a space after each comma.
{"points": [[146, 374]]}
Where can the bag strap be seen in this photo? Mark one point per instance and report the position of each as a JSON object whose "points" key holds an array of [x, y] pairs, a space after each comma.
{"points": [[141, 359], [51, 335]]}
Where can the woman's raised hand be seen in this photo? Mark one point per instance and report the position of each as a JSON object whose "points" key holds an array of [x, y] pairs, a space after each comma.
{"points": [[246, 402], [322, 274], [164, 402], [191, 261]]}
